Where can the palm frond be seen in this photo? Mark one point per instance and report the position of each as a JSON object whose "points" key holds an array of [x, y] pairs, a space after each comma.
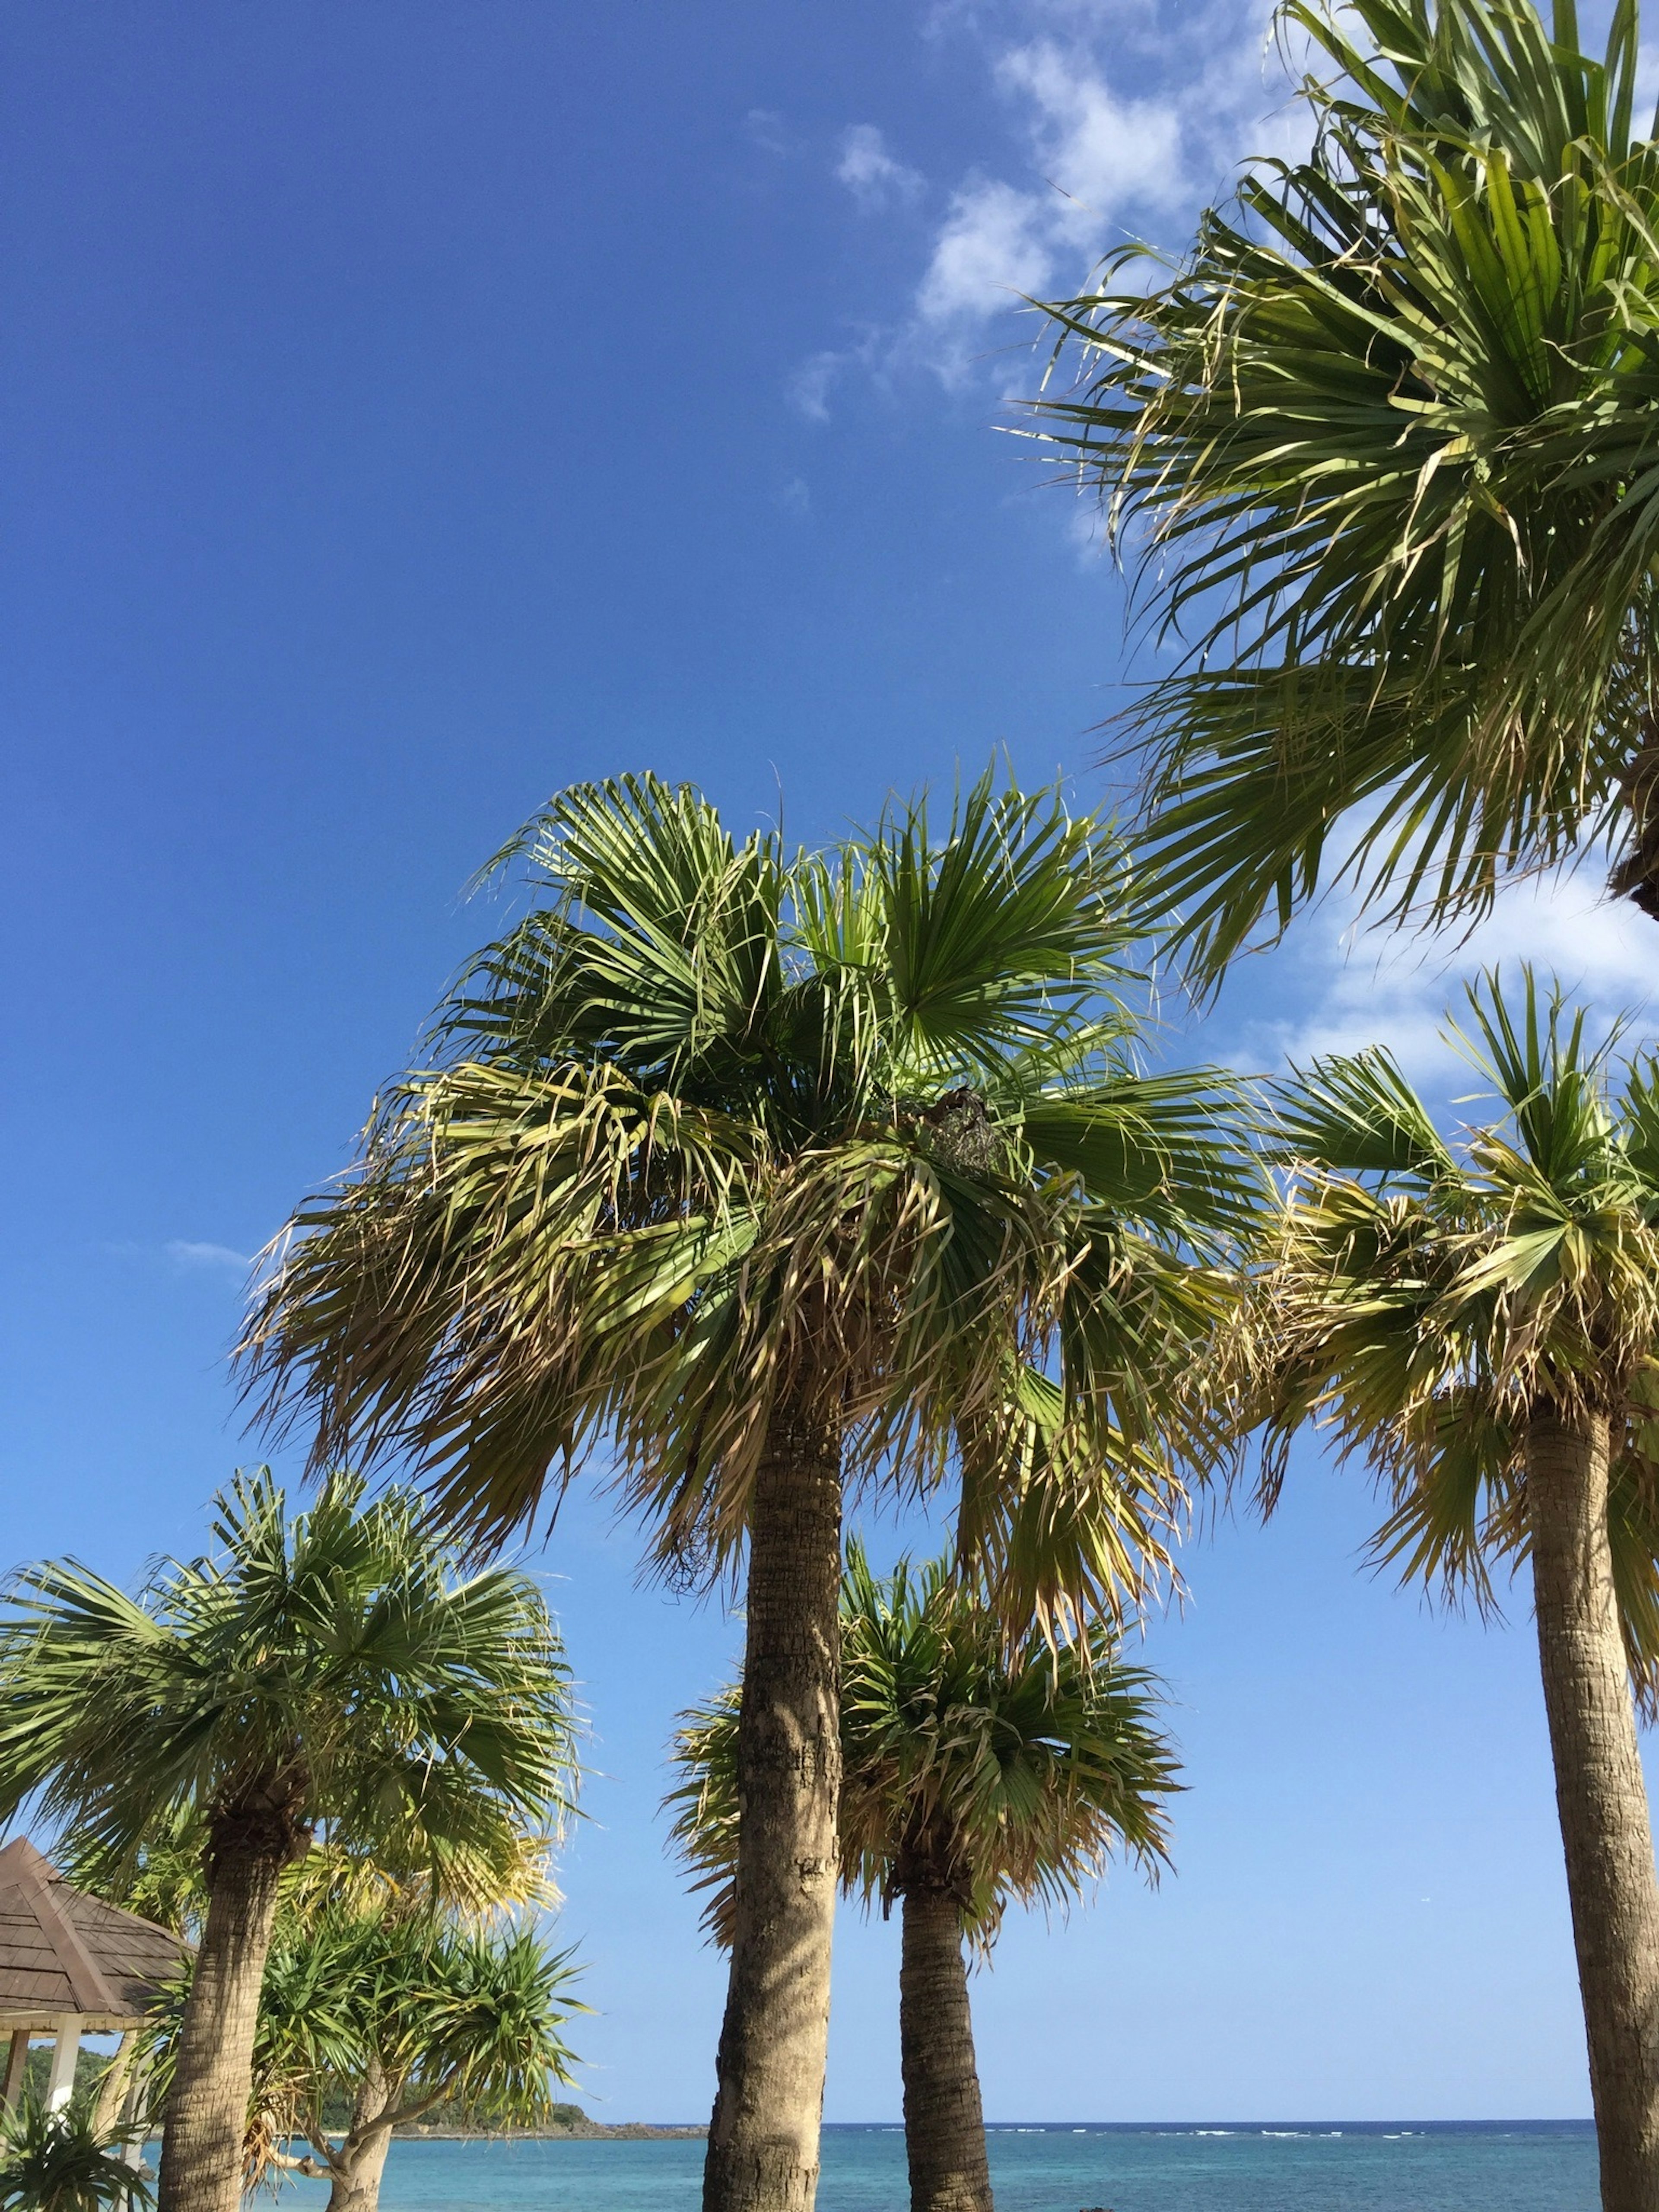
{"points": [[338, 1652], [1425, 1301], [1357, 1114], [1386, 439]]}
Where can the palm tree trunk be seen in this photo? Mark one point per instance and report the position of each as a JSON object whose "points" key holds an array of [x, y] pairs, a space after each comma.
{"points": [[1602, 1798], [764, 2138], [944, 2120], [206, 2116]]}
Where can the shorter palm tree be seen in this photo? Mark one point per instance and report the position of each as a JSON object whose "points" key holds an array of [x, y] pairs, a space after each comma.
{"points": [[1480, 1320], [335, 1669], [974, 1774]]}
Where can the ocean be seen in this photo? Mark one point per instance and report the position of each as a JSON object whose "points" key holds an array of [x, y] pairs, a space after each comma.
{"points": [[1320, 2167]]}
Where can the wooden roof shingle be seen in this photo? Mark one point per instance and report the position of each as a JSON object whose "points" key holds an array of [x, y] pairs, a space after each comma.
{"points": [[62, 1952]]}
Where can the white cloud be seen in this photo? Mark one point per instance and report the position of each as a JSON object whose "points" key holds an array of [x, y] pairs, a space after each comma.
{"points": [[1100, 150], [995, 242], [1346, 986], [810, 386], [871, 173], [187, 1253], [1098, 156], [1129, 119], [794, 496], [1125, 115]]}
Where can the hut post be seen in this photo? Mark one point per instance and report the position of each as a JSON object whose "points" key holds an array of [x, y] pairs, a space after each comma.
{"points": [[66, 2049], [16, 2061]]}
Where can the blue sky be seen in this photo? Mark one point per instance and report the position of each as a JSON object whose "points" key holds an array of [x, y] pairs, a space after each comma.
{"points": [[410, 409]]}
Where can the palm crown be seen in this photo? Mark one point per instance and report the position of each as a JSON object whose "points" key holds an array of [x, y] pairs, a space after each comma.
{"points": [[992, 1772], [332, 1667], [1392, 426], [719, 1129], [1430, 1298]]}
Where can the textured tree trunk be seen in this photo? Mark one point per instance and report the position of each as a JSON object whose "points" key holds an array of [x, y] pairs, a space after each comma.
{"points": [[207, 2110], [1602, 1798], [764, 2138], [357, 2187], [944, 2121], [361, 2160]]}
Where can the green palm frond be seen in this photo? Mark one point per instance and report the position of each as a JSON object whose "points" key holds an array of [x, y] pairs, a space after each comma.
{"points": [[1002, 1773], [1387, 437], [1358, 1115], [719, 1127]]}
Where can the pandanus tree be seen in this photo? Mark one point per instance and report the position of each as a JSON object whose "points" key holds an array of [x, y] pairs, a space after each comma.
{"points": [[754, 1176], [392, 2013], [1387, 436], [1479, 1320], [977, 1772], [377, 1999], [334, 1669]]}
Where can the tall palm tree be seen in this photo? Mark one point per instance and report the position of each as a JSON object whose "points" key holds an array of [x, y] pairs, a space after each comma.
{"points": [[1481, 1321], [331, 1670], [974, 1772], [1387, 434], [755, 1174]]}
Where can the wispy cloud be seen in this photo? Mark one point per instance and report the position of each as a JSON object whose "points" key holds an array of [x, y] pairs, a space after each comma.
{"points": [[186, 1253], [993, 244], [1101, 156], [765, 127], [810, 385], [874, 178], [1123, 116]]}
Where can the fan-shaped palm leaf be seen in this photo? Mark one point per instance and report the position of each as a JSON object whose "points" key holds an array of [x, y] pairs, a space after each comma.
{"points": [[1390, 432]]}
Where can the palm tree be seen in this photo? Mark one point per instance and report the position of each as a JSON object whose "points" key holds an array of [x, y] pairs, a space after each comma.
{"points": [[1388, 436], [975, 1773], [396, 2011], [1481, 1321], [759, 1175], [331, 1670]]}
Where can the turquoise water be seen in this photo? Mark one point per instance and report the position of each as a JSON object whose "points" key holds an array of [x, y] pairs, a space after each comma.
{"points": [[1543, 2167]]}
